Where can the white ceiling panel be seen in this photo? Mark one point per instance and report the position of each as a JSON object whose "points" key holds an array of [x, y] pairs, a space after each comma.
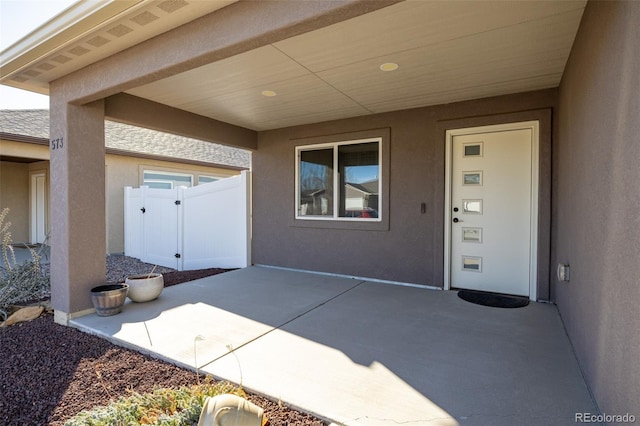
{"points": [[413, 24], [445, 96], [446, 52], [258, 68], [297, 101], [504, 54]]}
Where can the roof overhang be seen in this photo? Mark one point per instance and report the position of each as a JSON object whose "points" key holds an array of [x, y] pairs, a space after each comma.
{"points": [[70, 40], [446, 51]]}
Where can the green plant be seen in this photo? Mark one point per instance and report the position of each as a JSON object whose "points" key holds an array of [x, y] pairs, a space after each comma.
{"points": [[19, 283], [162, 407]]}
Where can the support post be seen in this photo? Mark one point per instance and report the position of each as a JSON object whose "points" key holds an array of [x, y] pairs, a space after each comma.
{"points": [[78, 220]]}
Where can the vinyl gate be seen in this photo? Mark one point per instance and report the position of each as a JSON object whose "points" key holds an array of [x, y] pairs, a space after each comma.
{"points": [[204, 226]]}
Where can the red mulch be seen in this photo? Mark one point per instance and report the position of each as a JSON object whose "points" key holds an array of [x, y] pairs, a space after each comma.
{"points": [[178, 277], [49, 373]]}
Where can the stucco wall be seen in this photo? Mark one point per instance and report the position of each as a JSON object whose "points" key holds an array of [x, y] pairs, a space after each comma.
{"points": [[597, 200], [410, 248], [15, 183], [14, 194]]}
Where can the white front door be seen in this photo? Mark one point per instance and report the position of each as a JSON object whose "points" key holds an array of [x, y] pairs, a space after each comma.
{"points": [[492, 209], [38, 208]]}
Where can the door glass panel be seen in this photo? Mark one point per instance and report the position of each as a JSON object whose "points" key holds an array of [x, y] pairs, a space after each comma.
{"points": [[472, 263], [472, 235], [472, 178], [473, 149], [472, 206], [316, 182]]}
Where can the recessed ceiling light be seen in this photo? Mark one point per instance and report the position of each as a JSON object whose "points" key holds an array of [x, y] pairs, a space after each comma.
{"points": [[268, 93], [389, 66]]}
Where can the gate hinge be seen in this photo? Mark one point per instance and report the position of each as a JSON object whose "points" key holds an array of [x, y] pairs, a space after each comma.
{"points": [[178, 202], [178, 256]]}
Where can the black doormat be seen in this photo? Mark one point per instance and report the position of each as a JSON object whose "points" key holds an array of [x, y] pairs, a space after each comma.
{"points": [[492, 299]]}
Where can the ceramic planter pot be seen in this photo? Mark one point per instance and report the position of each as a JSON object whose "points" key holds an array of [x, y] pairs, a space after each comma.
{"points": [[230, 410], [109, 299], [144, 287]]}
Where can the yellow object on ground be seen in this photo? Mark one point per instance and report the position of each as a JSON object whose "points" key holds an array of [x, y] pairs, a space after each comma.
{"points": [[24, 314]]}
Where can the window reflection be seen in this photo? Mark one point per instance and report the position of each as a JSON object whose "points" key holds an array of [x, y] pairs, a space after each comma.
{"points": [[340, 180], [359, 174], [316, 182]]}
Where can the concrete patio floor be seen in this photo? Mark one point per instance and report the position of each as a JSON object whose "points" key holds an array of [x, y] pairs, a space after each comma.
{"points": [[362, 353]]}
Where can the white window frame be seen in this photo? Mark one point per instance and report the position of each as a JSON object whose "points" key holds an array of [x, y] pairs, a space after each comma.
{"points": [[336, 180]]}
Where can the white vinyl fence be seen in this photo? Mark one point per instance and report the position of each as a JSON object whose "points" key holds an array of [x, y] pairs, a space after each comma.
{"points": [[205, 226]]}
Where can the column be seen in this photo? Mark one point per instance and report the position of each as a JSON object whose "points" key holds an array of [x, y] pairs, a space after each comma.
{"points": [[77, 214]]}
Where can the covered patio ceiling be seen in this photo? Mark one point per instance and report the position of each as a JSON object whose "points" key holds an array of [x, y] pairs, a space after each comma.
{"points": [[445, 51]]}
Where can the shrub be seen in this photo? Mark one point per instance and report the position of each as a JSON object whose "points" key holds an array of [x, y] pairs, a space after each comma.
{"points": [[162, 407], [19, 283]]}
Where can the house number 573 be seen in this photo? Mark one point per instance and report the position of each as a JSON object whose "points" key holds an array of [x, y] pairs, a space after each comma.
{"points": [[57, 143]]}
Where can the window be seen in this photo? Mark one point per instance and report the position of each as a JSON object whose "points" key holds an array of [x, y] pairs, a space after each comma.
{"points": [[206, 179], [340, 180], [166, 180]]}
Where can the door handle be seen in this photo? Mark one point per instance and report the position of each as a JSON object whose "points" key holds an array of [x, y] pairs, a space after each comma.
{"points": [[456, 220]]}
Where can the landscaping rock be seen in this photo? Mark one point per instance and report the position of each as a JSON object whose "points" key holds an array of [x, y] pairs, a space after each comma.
{"points": [[49, 373], [23, 314]]}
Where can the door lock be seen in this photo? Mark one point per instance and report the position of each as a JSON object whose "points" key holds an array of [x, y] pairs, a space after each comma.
{"points": [[456, 220]]}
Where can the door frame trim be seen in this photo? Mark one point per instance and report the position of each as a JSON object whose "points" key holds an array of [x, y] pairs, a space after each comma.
{"points": [[33, 204], [534, 126]]}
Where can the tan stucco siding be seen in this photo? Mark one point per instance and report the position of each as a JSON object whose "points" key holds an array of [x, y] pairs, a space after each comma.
{"points": [[14, 194]]}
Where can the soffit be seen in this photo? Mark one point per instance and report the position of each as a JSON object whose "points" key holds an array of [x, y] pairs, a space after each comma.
{"points": [[90, 31], [446, 52]]}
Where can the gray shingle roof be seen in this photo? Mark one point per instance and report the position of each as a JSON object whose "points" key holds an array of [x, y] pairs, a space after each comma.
{"points": [[370, 187], [35, 123]]}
